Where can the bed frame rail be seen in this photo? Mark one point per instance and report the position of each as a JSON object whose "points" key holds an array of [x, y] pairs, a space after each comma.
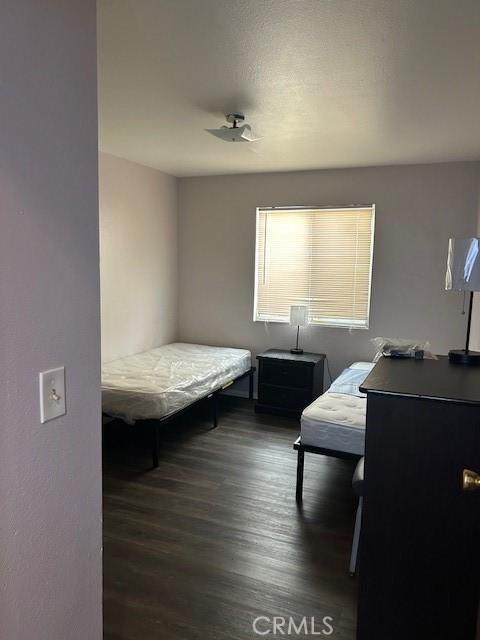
{"points": [[213, 396], [307, 448]]}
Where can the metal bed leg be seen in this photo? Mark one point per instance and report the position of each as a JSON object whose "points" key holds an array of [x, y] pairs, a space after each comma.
{"points": [[356, 538], [215, 410], [155, 438], [250, 384], [300, 465]]}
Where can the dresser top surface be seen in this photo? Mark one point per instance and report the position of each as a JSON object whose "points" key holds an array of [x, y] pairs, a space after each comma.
{"points": [[281, 354], [437, 379]]}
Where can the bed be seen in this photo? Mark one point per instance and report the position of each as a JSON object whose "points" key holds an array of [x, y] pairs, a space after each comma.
{"points": [[334, 423], [161, 383]]}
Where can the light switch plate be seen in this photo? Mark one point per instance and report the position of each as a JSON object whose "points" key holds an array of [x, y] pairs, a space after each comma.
{"points": [[52, 394]]}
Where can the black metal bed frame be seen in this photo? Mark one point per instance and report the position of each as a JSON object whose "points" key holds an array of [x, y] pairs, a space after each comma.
{"points": [[308, 448], [213, 396]]}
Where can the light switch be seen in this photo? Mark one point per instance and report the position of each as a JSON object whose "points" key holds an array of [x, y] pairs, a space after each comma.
{"points": [[52, 394]]}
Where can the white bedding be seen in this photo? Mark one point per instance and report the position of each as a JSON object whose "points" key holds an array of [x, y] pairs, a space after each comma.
{"points": [[336, 421], [159, 382]]}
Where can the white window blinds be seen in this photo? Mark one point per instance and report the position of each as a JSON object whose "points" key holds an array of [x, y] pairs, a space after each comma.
{"points": [[318, 257]]}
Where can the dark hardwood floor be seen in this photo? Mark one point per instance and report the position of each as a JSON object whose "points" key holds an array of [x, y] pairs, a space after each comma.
{"points": [[201, 546]]}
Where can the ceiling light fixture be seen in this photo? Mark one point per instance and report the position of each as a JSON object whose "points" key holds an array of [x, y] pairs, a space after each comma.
{"points": [[238, 132]]}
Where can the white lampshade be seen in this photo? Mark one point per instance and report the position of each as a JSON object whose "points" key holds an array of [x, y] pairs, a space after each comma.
{"points": [[299, 315], [463, 264]]}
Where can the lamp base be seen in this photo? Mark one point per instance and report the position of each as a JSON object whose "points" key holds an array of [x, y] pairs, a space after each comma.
{"points": [[299, 351], [460, 356]]}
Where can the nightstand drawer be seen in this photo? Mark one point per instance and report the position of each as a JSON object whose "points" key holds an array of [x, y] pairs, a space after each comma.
{"points": [[283, 397], [288, 382], [286, 374]]}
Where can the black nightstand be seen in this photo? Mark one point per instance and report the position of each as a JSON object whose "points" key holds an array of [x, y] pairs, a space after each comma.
{"points": [[288, 382]]}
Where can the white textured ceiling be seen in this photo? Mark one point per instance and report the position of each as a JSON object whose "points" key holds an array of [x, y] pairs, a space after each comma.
{"points": [[329, 83]]}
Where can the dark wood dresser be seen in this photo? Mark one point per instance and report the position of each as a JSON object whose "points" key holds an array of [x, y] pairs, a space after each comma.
{"points": [[420, 544], [288, 382]]}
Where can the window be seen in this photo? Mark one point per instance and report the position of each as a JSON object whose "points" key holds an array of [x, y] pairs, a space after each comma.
{"points": [[318, 257]]}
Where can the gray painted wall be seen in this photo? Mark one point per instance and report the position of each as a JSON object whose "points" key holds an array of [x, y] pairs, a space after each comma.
{"points": [[417, 209], [50, 474], [138, 257]]}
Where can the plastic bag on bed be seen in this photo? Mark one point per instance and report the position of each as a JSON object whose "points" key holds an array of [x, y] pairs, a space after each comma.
{"points": [[164, 380], [385, 346]]}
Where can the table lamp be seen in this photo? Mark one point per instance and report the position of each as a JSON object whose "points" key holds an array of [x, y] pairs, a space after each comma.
{"points": [[298, 318], [463, 274]]}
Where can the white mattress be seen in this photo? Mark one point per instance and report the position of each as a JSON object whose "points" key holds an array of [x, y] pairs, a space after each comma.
{"points": [[159, 382], [336, 421]]}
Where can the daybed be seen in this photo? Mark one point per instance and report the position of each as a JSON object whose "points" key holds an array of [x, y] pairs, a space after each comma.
{"points": [[334, 423], [160, 383]]}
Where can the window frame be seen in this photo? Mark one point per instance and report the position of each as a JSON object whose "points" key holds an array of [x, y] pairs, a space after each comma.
{"points": [[339, 323]]}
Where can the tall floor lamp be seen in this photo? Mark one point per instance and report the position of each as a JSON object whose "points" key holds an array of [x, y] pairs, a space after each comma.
{"points": [[463, 274]]}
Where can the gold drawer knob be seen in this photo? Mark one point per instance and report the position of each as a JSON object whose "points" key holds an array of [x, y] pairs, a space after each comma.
{"points": [[471, 480]]}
